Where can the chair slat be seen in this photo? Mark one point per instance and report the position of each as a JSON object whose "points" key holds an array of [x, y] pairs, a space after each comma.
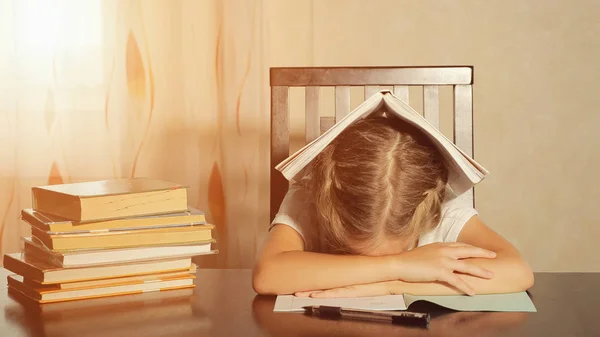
{"points": [[402, 92], [463, 118], [342, 102], [280, 144], [311, 98], [463, 125], [326, 123], [370, 90], [431, 105]]}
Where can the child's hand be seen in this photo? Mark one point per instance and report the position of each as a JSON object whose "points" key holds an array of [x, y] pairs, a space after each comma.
{"points": [[441, 262]]}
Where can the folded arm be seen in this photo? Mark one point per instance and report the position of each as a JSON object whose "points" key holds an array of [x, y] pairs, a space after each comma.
{"points": [[510, 272], [283, 266]]}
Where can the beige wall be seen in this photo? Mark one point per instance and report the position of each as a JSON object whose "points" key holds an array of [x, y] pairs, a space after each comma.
{"points": [[536, 99]]}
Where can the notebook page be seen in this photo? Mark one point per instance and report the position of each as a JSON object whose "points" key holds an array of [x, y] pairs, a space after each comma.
{"points": [[509, 302], [388, 302]]}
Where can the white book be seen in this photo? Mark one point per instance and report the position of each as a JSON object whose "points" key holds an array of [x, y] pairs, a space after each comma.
{"points": [[463, 171], [96, 257]]}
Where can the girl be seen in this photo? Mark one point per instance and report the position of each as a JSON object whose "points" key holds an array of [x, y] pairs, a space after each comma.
{"points": [[374, 216]]}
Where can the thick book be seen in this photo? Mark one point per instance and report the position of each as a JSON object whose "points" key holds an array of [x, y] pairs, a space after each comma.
{"points": [[508, 302], [123, 239], [110, 199], [464, 172], [57, 225], [44, 295], [45, 273], [112, 281], [94, 257]]}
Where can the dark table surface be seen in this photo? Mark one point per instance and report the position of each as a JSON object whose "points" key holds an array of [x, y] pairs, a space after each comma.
{"points": [[224, 304]]}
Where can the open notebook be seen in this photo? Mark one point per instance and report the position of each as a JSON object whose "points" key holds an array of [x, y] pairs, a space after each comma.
{"points": [[516, 302], [464, 172]]}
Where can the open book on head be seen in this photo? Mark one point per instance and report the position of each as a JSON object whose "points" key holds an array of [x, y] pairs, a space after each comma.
{"points": [[463, 171], [509, 302]]}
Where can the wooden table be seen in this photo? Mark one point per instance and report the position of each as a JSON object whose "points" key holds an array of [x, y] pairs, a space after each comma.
{"points": [[224, 304]]}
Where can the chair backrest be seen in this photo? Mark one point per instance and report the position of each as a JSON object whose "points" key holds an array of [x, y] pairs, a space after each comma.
{"points": [[342, 78]]}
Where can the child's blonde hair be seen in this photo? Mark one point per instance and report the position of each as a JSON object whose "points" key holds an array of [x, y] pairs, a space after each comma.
{"points": [[380, 177]]}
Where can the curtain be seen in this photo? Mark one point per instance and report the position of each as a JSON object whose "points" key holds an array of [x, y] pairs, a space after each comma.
{"points": [[169, 89]]}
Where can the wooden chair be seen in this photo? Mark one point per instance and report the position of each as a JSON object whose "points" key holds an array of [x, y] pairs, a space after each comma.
{"points": [[342, 78]]}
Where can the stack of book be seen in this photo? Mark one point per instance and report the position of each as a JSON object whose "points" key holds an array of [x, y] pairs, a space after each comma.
{"points": [[106, 238]]}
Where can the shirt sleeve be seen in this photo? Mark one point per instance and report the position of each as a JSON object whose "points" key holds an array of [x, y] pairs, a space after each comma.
{"points": [[293, 212], [456, 212]]}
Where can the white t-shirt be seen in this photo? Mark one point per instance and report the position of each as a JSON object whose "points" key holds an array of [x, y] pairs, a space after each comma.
{"points": [[296, 213]]}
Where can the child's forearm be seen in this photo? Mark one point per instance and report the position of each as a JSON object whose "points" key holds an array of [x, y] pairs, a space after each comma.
{"points": [[510, 275], [294, 271]]}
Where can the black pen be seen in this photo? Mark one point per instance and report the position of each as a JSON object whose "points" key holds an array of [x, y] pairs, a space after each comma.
{"points": [[397, 317]]}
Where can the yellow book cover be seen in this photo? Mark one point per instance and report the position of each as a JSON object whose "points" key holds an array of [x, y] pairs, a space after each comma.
{"points": [[109, 199], [45, 273], [121, 239], [57, 225], [42, 295], [111, 281]]}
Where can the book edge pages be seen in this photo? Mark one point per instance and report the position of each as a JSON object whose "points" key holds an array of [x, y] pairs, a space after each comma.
{"points": [[35, 242], [191, 211], [71, 260], [188, 227], [48, 275], [193, 285], [99, 283], [16, 278]]}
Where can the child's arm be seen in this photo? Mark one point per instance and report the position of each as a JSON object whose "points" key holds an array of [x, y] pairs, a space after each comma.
{"points": [[283, 266], [511, 272]]}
